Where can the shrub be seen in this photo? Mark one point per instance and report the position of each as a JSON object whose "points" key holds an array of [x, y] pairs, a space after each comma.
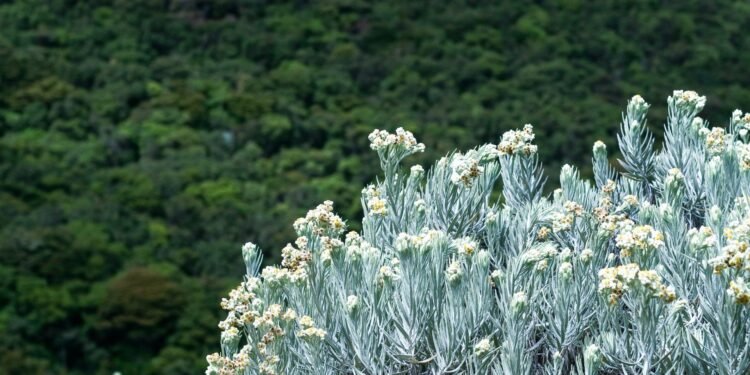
{"points": [[642, 271]]}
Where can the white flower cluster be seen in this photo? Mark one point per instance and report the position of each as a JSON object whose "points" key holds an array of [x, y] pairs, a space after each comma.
{"points": [[674, 178], [454, 271], [416, 171], [615, 281], [388, 274], [218, 365], [637, 105], [741, 121], [599, 148], [269, 323], [717, 140], [610, 223], [466, 246], [320, 220], [308, 330], [496, 276], [358, 249], [629, 202], [330, 246], [739, 291], [539, 256], [241, 297], [352, 303], [421, 242], [518, 142], [483, 347], [734, 254], [562, 221], [402, 139], [377, 206], [586, 255], [565, 270], [592, 354], [518, 302], [249, 250], [701, 239], [643, 239], [743, 156], [465, 169], [688, 99]]}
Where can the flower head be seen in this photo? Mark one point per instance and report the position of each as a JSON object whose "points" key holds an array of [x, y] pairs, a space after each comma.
{"points": [[483, 347], [518, 302], [615, 281], [465, 169], [518, 142], [402, 139], [688, 100], [352, 303], [453, 272], [643, 239]]}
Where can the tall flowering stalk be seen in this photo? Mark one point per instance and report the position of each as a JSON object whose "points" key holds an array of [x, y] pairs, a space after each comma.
{"points": [[644, 271]]}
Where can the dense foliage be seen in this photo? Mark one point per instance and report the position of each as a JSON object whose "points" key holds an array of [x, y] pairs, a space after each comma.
{"points": [[642, 272], [141, 140]]}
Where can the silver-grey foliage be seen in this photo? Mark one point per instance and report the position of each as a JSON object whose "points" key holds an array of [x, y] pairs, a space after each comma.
{"points": [[641, 272]]}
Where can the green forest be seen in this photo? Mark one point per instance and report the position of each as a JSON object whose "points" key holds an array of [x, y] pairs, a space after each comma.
{"points": [[142, 142]]}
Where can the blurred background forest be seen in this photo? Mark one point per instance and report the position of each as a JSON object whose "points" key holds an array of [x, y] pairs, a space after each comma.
{"points": [[142, 142]]}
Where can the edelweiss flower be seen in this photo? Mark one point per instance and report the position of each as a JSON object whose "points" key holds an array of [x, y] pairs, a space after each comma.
{"points": [[674, 178], [376, 206], [565, 270], [249, 250], [741, 123], [231, 337], [701, 239], [562, 222], [600, 148], [543, 233], [642, 239], [320, 220], [629, 202], [352, 303], [539, 254], [739, 291], [387, 273], [688, 99], [497, 276], [586, 255], [465, 246], [454, 272], [743, 156], [592, 354], [518, 142], [312, 333], [402, 139], [483, 347], [465, 169], [637, 105], [518, 302], [491, 217], [417, 170], [716, 141], [615, 281]]}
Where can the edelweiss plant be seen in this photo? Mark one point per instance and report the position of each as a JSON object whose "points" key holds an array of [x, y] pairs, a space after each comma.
{"points": [[645, 271]]}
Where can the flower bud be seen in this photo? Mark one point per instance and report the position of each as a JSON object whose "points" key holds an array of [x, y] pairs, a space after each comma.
{"points": [[518, 302]]}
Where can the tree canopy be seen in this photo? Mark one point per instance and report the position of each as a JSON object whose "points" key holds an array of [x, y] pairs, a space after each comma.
{"points": [[142, 142]]}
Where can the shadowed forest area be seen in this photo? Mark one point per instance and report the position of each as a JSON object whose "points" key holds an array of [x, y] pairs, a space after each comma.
{"points": [[142, 142]]}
